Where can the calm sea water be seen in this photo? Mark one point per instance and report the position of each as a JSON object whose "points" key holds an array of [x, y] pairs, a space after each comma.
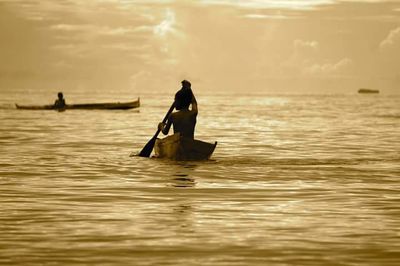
{"points": [[295, 180]]}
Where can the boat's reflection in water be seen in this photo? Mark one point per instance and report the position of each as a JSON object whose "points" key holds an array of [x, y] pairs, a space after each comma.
{"points": [[182, 176], [183, 210]]}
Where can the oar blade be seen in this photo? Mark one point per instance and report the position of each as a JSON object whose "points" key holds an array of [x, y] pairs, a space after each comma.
{"points": [[148, 148]]}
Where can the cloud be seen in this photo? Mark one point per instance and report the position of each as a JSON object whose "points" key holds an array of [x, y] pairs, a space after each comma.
{"points": [[306, 59], [329, 68], [72, 49], [300, 44], [260, 16], [304, 50], [70, 27], [166, 25], [275, 15], [261, 4], [99, 30], [392, 38]]}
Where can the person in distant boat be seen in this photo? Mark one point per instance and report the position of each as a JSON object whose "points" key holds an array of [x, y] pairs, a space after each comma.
{"points": [[184, 120], [60, 102]]}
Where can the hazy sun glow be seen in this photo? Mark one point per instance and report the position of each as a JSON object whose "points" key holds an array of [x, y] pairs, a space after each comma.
{"points": [[166, 25]]}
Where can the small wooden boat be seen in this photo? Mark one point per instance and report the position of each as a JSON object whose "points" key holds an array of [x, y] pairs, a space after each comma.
{"points": [[179, 148], [86, 106], [367, 91]]}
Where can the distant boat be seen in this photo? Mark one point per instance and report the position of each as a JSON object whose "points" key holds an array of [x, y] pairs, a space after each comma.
{"points": [[367, 91], [87, 106]]}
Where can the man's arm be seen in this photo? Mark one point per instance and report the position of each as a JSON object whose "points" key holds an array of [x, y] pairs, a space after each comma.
{"points": [[165, 127], [194, 104]]}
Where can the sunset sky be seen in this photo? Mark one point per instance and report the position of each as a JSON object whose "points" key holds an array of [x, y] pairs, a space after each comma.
{"points": [[274, 46]]}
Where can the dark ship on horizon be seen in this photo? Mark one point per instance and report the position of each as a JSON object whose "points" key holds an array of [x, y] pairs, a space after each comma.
{"points": [[365, 90]]}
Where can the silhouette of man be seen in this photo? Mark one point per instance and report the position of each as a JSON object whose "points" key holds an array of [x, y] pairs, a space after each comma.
{"points": [[183, 120]]}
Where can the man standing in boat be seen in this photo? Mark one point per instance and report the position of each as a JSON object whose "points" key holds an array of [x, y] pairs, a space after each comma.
{"points": [[184, 120]]}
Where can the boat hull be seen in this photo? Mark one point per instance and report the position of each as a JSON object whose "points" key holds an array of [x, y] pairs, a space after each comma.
{"points": [[179, 148], [86, 106]]}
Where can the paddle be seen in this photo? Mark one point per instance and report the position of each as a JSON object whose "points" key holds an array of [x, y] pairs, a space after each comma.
{"points": [[148, 148]]}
